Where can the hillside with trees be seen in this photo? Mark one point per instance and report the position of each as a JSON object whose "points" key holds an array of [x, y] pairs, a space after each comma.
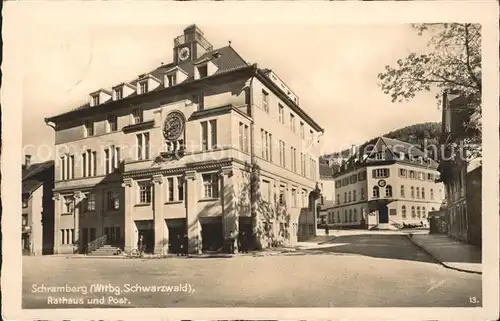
{"points": [[421, 135]]}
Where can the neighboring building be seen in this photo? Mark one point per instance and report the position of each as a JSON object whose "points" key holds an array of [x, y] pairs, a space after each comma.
{"points": [[458, 172], [204, 146], [386, 181], [327, 199], [37, 232]]}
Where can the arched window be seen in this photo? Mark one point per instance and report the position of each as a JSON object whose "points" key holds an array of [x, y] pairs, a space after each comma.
{"points": [[413, 212], [350, 196], [350, 215], [402, 191], [375, 191], [354, 195], [432, 194], [412, 192], [388, 191], [418, 192], [403, 211], [345, 197], [423, 212], [338, 198], [418, 211], [355, 215], [423, 193]]}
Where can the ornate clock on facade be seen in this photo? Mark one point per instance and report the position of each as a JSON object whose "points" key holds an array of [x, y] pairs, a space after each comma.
{"points": [[174, 126], [184, 53]]}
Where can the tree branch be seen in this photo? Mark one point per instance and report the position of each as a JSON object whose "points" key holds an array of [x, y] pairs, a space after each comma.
{"points": [[467, 51]]}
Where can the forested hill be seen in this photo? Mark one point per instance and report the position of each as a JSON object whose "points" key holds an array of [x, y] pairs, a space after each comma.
{"points": [[414, 134]]}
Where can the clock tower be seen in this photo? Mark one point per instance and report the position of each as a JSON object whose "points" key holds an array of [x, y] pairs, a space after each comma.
{"points": [[190, 46]]}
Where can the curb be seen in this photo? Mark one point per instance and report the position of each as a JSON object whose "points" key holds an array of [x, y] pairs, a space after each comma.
{"points": [[331, 239], [410, 237]]}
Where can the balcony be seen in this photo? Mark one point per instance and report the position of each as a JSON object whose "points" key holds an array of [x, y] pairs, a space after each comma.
{"points": [[184, 39]]}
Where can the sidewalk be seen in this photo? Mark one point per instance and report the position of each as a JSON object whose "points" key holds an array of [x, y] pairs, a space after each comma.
{"points": [[450, 253]]}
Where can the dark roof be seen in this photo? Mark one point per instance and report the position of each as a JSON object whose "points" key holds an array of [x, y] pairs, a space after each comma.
{"points": [[35, 169], [30, 185]]}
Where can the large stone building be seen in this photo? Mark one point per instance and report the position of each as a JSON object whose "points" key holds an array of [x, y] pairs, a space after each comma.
{"points": [[37, 230], [385, 182], [205, 146]]}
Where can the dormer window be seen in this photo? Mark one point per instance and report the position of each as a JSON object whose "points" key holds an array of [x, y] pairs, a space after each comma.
{"points": [[143, 87], [171, 80], [95, 100], [137, 115], [401, 155], [379, 156], [202, 71], [89, 128], [112, 123], [118, 93]]}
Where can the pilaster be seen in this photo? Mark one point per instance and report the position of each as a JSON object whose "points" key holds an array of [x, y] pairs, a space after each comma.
{"points": [[161, 240], [57, 222], [129, 223], [229, 215], [192, 223]]}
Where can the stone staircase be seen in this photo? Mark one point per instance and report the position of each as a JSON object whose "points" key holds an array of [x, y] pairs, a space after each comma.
{"points": [[105, 250]]}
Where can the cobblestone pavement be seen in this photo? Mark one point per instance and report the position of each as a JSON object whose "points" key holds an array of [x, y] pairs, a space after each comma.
{"points": [[356, 270]]}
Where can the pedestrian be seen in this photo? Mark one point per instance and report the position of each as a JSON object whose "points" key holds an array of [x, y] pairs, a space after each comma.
{"points": [[185, 244], [177, 245], [231, 240], [327, 231], [140, 244], [241, 243]]}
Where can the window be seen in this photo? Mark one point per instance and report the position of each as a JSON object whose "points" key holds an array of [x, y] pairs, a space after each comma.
{"points": [[350, 196], [281, 114], [281, 197], [402, 191], [418, 211], [68, 204], [362, 193], [362, 176], [266, 145], [203, 71], [143, 87], [354, 195], [379, 156], [338, 198], [89, 128], [144, 193], [25, 220], [412, 192], [118, 93], [338, 216], [412, 174], [430, 177], [204, 135], [403, 212], [171, 80], [380, 173], [111, 159], [423, 212], [292, 122], [402, 172], [213, 133], [423, 193], [112, 123], [388, 191], [199, 100], [293, 159], [210, 185], [282, 153], [421, 176], [294, 197], [265, 190], [89, 163], [355, 215], [95, 100], [142, 141], [338, 183], [345, 216], [302, 132], [138, 115], [113, 200], [170, 186], [376, 192], [413, 212], [418, 192], [350, 215], [265, 101], [90, 202], [432, 194], [345, 197], [180, 188], [25, 203]]}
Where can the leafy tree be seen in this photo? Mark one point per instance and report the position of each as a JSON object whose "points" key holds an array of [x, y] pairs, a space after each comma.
{"points": [[452, 64]]}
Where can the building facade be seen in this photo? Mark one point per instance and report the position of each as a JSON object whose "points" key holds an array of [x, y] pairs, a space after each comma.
{"points": [[202, 148], [37, 229], [385, 182], [460, 174], [327, 199]]}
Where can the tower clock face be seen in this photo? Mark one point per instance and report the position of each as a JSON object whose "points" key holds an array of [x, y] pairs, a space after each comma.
{"points": [[184, 53]]}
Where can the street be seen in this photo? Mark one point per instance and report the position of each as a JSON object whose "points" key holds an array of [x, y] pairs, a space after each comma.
{"points": [[354, 271]]}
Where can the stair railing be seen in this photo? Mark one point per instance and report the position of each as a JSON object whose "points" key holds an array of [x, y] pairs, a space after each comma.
{"points": [[97, 243]]}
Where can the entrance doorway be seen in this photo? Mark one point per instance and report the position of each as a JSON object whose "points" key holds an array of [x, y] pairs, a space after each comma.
{"points": [[383, 214], [176, 233], [212, 238], [245, 233], [148, 240]]}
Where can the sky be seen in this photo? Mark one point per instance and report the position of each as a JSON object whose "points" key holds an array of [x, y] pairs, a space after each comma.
{"points": [[332, 68]]}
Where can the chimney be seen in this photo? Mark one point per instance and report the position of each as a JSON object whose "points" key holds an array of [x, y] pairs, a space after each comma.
{"points": [[27, 161]]}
